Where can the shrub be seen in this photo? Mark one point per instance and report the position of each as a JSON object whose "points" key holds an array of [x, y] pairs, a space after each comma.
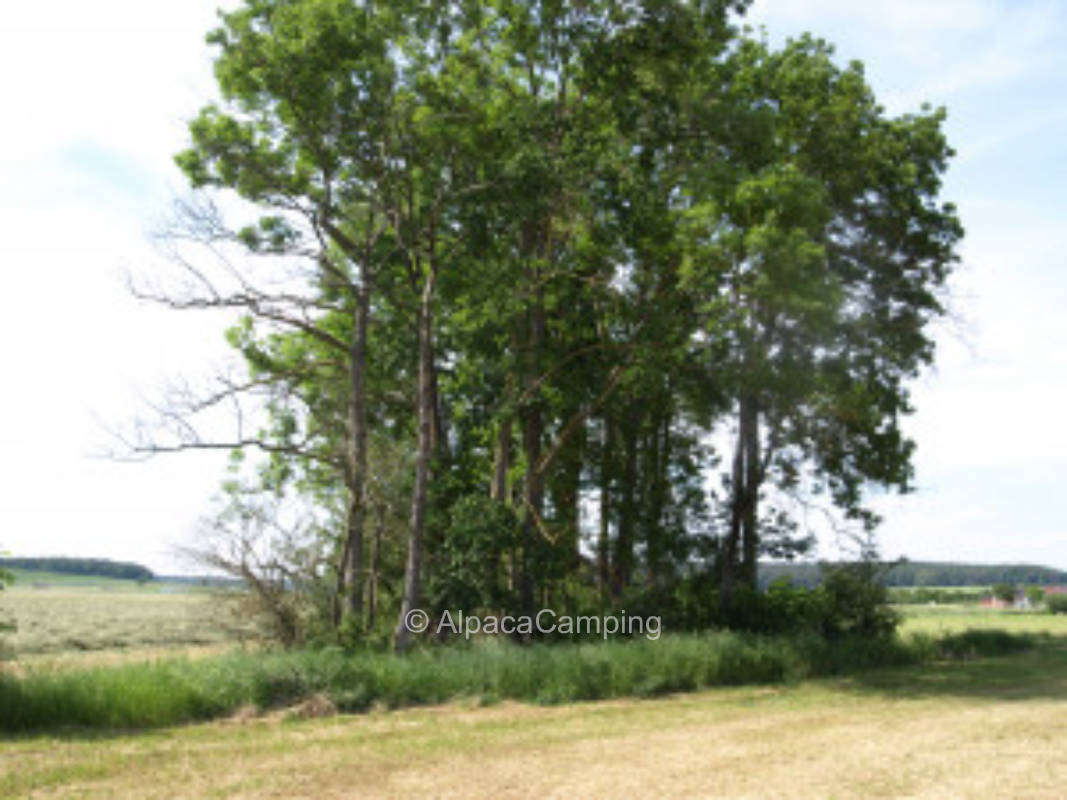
{"points": [[1005, 592], [857, 603], [1056, 603]]}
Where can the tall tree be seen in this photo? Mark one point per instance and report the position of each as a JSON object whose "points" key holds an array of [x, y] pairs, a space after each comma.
{"points": [[825, 250], [307, 89]]}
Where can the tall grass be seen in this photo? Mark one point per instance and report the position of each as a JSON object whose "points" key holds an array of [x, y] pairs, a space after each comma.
{"points": [[169, 692]]}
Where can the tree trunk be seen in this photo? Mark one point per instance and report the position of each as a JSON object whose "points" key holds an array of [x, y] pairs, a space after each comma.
{"points": [[603, 551], [566, 496], [498, 489], [750, 511], [728, 557], [533, 504], [659, 462], [375, 560], [741, 551], [357, 456], [624, 542], [532, 435], [425, 402]]}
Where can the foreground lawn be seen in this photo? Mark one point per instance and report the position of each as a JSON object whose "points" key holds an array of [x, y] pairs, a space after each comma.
{"points": [[988, 727]]}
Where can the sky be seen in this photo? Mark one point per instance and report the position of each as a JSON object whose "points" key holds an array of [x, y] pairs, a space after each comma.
{"points": [[97, 97]]}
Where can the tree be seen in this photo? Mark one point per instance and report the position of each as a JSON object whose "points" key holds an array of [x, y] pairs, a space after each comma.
{"points": [[308, 89], [1005, 592], [820, 250]]}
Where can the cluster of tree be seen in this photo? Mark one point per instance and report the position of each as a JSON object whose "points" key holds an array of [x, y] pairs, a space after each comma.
{"points": [[524, 277], [921, 573], [925, 595], [928, 574], [100, 567]]}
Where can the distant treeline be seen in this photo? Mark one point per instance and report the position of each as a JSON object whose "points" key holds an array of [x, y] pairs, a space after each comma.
{"points": [[928, 573], [99, 567]]}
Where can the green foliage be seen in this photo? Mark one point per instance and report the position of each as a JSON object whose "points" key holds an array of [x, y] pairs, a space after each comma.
{"points": [[975, 643], [1005, 592], [851, 602], [857, 601], [1056, 603], [1035, 595], [470, 571]]}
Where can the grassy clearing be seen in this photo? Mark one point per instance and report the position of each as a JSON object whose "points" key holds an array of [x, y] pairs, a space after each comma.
{"points": [[961, 730]]}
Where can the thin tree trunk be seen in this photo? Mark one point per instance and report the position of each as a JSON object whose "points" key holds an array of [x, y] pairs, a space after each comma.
{"points": [[728, 557], [741, 552], [750, 512], [375, 560], [604, 540], [425, 394], [658, 460], [624, 543], [566, 498], [532, 435], [498, 489], [533, 505], [357, 456]]}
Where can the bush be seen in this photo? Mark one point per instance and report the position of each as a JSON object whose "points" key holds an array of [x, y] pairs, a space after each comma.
{"points": [[974, 643], [1056, 603], [857, 603], [1005, 592], [850, 602]]}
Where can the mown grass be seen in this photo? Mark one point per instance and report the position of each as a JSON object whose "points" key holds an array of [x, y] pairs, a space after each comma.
{"points": [[176, 691], [108, 615]]}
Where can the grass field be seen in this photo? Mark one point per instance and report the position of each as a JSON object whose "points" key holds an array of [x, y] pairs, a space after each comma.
{"points": [[74, 620], [956, 730], [966, 728], [950, 619]]}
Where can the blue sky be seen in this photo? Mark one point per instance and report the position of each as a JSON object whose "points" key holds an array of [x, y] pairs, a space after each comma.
{"points": [[96, 98]]}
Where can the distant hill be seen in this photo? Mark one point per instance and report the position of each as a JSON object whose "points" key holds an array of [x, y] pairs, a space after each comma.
{"points": [[927, 573], [210, 581], [96, 567]]}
